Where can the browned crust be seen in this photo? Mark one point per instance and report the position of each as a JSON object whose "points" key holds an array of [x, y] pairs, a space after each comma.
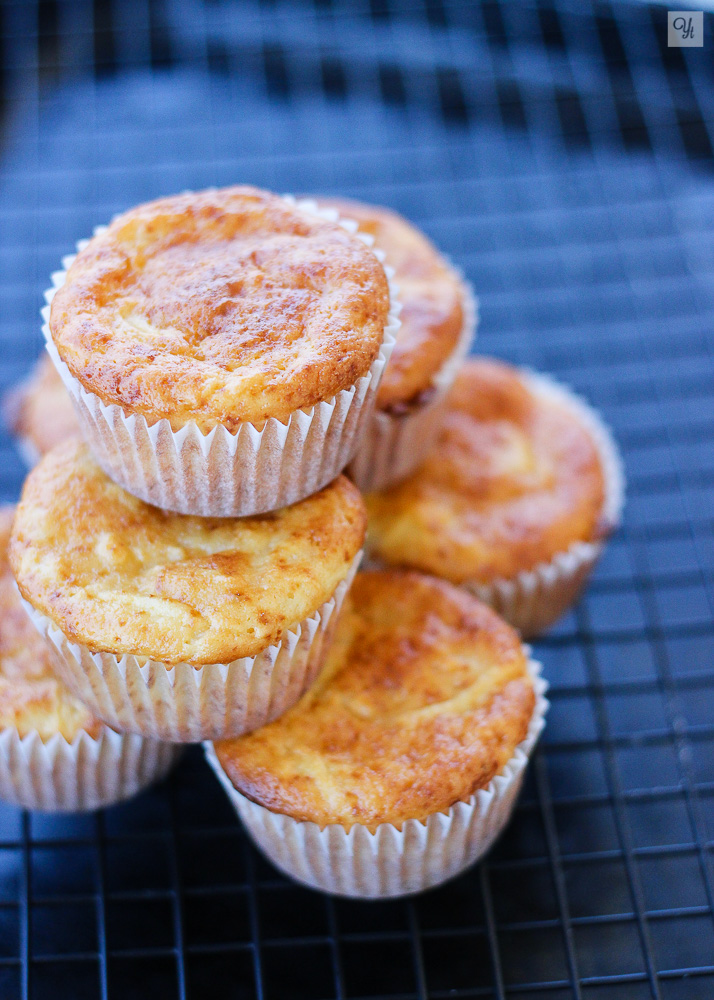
{"points": [[431, 294], [221, 306], [31, 697], [40, 410], [120, 576], [512, 480], [424, 697]]}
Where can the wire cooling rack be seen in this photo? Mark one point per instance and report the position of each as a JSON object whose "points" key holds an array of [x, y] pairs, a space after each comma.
{"points": [[561, 154]]}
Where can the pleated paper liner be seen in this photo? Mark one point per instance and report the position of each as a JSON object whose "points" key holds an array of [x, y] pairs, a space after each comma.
{"points": [[394, 445], [225, 474], [186, 704], [390, 861], [56, 775]]}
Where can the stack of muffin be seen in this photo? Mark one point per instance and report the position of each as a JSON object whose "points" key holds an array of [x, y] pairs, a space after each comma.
{"points": [[192, 567]]}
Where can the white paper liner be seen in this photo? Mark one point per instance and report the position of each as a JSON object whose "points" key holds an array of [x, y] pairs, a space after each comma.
{"points": [[391, 862], [533, 600], [395, 445], [88, 773], [224, 474], [185, 703]]}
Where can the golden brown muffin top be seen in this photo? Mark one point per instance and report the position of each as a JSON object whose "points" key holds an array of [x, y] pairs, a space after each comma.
{"points": [[513, 479], [31, 697], [220, 306], [423, 698], [120, 576], [40, 410], [431, 294]]}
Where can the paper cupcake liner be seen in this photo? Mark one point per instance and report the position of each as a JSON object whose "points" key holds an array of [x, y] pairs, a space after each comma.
{"points": [[395, 445], [391, 862], [533, 600], [88, 773], [224, 474], [185, 703]]}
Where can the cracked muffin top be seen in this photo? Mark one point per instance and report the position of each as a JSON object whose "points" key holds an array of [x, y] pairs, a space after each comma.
{"points": [[411, 713], [432, 298], [220, 307], [31, 697], [513, 479], [120, 576]]}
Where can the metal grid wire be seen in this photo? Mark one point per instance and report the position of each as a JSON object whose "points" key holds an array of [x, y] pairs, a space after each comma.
{"points": [[562, 155]]}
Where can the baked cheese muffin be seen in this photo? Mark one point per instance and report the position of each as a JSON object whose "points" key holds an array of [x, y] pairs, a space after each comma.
{"points": [[411, 713], [402, 763], [432, 296], [517, 478], [32, 699], [117, 583], [39, 412], [54, 753], [223, 348], [220, 307]]}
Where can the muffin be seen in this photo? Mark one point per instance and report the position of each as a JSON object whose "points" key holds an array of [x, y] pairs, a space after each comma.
{"points": [[401, 764], [223, 348], [514, 500], [39, 411], [438, 321], [177, 627], [54, 754]]}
